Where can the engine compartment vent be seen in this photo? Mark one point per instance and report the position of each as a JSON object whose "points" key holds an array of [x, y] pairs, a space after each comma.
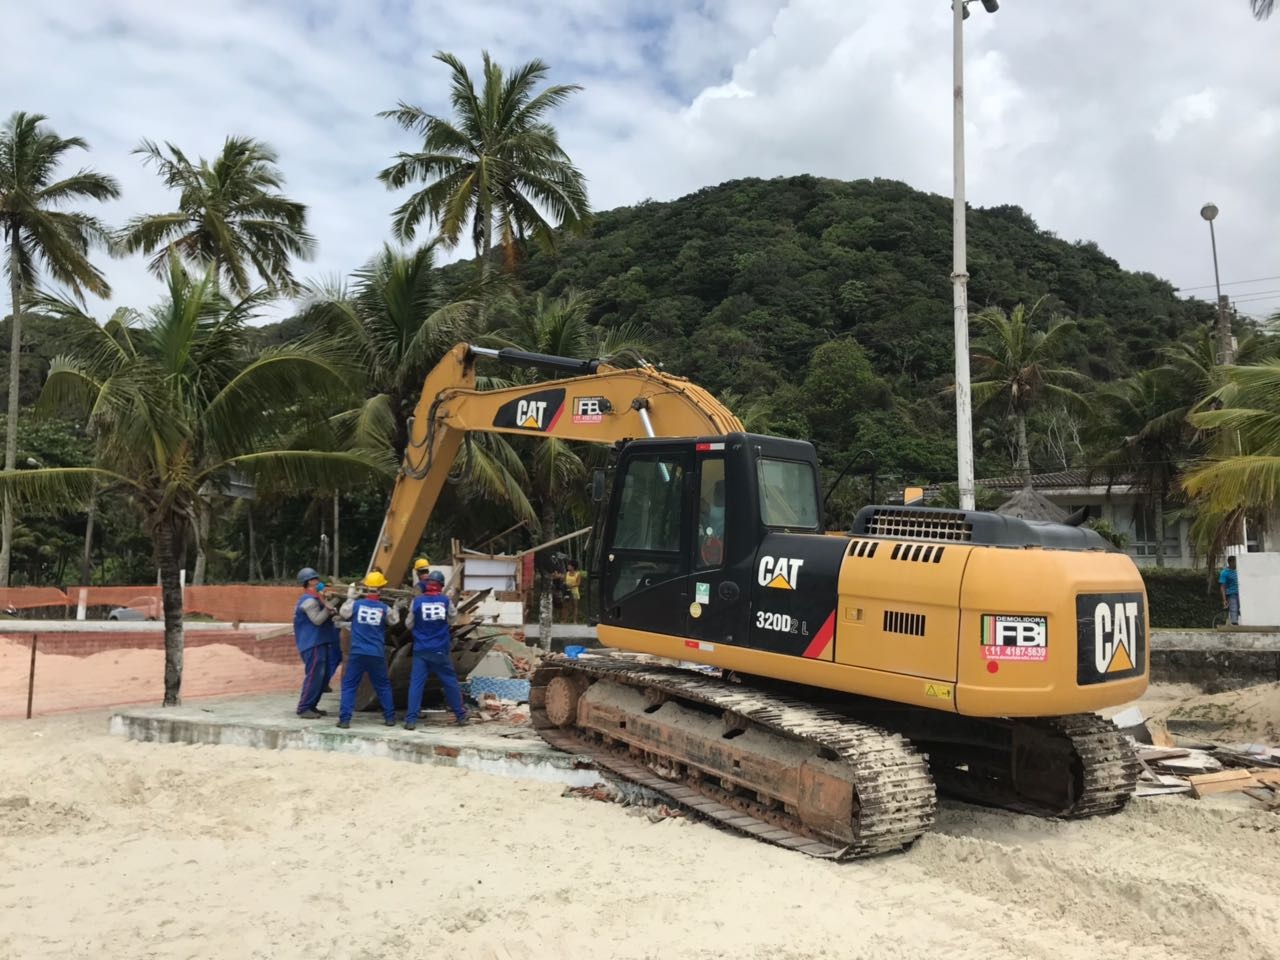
{"points": [[911, 624], [909, 524], [918, 552], [863, 548]]}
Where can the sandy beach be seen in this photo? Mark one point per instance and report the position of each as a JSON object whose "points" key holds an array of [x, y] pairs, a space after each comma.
{"points": [[116, 849]]}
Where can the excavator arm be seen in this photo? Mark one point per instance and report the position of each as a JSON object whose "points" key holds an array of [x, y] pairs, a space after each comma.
{"points": [[603, 404]]}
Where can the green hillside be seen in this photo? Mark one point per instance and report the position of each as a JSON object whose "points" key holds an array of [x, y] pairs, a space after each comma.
{"points": [[823, 308]]}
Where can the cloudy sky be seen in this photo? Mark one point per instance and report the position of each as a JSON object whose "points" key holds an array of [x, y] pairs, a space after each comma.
{"points": [[1110, 120]]}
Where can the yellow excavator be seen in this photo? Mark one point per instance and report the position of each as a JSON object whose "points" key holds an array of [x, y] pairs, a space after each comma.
{"points": [[809, 689]]}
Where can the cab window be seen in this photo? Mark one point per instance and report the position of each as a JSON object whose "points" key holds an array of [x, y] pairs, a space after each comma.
{"points": [[647, 529], [788, 494], [710, 539]]}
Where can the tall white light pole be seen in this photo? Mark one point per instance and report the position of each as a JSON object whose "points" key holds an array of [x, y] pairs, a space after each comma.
{"points": [[1226, 353], [959, 268]]}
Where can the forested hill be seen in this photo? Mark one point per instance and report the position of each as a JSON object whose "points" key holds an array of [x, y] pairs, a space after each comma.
{"points": [[741, 283]]}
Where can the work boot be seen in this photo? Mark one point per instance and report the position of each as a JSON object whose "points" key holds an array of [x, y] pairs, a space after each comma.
{"points": [[310, 715], [409, 725], [344, 724], [462, 718], [323, 713], [389, 722], [327, 689]]}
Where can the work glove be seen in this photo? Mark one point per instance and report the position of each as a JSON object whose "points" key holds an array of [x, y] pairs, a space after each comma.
{"points": [[351, 591]]}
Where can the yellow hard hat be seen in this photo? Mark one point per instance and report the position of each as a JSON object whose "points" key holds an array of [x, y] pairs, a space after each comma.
{"points": [[422, 563], [375, 580]]}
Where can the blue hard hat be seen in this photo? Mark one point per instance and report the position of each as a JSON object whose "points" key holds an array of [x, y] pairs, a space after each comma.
{"points": [[435, 576], [307, 573]]}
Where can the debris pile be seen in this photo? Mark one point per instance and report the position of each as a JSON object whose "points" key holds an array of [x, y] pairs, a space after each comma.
{"points": [[642, 801], [1175, 765], [490, 707]]}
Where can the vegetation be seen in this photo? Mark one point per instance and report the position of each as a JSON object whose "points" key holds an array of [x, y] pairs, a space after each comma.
{"points": [[498, 163], [39, 232], [179, 405], [230, 213], [1013, 367]]}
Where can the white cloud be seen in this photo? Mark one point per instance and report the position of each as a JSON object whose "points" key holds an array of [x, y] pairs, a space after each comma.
{"points": [[1110, 122]]}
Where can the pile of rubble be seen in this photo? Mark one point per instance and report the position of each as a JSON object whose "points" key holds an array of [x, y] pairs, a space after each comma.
{"points": [[1182, 765], [641, 800]]}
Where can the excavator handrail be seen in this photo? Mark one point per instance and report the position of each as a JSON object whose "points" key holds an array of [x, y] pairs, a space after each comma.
{"points": [[602, 404]]}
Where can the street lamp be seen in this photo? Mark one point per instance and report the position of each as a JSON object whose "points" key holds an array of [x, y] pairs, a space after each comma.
{"points": [[959, 268], [1226, 353]]}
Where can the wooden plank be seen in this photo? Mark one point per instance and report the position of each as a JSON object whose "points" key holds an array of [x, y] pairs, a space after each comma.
{"points": [[1264, 794], [1160, 735], [1269, 777], [1163, 753], [1226, 781]]}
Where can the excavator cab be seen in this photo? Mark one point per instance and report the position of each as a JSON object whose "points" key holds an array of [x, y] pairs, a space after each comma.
{"points": [[707, 539]]}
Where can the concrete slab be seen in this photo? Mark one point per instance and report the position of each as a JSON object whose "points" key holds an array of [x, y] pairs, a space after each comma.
{"points": [[269, 722]]}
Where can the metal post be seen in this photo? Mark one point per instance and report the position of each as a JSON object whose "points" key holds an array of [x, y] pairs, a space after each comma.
{"points": [[1226, 356], [960, 277], [31, 676]]}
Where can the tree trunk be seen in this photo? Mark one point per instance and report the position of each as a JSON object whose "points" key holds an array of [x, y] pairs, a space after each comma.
{"points": [[167, 558], [486, 210], [86, 561], [546, 609], [203, 509], [252, 551], [11, 424], [1157, 508], [1024, 459], [336, 543]]}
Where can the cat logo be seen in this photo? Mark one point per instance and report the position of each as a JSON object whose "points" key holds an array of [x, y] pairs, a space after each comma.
{"points": [[1111, 637], [1115, 627], [538, 411], [781, 573], [529, 413]]}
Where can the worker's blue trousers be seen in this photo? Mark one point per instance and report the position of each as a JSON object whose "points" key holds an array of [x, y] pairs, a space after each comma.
{"points": [[316, 661], [441, 664], [332, 662], [358, 664]]}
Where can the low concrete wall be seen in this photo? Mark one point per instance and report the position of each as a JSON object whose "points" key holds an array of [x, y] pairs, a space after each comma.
{"points": [[1215, 659]]}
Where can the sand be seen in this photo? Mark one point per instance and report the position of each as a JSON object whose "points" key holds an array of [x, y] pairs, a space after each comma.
{"points": [[130, 850]]}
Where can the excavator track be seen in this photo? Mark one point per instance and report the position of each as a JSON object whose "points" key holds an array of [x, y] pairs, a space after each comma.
{"points": [[856, 791], [1069, 767]]}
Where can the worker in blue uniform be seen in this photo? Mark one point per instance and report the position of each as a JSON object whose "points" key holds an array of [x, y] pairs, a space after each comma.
{"points": [[333, 644], [311, 614], [429, 617], [369, 617], [421, 573]]}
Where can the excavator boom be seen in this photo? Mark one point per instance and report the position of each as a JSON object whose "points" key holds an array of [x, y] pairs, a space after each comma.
{"points": [[604, 404]]}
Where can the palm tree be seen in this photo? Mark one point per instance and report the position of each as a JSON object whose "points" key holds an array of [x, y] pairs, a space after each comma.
{"points": [[230, 213], [1014, 366], [1246, 407], [1148, 414], [396, 322], [39, 233], [497, 164], [180, 401], [559, 326], [1262, 8]]}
